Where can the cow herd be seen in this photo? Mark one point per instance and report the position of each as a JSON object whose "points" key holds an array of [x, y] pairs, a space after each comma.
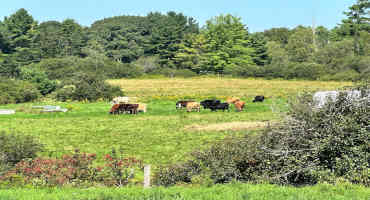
{"points": [[121, 105]]}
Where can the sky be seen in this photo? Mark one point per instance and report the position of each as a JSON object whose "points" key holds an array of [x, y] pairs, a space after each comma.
{"points": [[257, 15]]}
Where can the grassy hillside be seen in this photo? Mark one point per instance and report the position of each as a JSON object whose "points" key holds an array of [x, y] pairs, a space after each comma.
{"points": [[163, 134]]}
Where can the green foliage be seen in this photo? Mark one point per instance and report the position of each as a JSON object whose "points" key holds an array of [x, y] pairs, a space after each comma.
{"points": [[16, 147], [167, 32], [87, 86], [168, 72], [316, 143], [278, 35], [300, 45], [259, 44], [123, 38], [14, 91], [349, 75], [19, 29], [39, 78], [174, 41]]}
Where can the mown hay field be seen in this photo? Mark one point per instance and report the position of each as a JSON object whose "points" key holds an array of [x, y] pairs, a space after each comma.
{"points": [[162, 135], [201, 88]]}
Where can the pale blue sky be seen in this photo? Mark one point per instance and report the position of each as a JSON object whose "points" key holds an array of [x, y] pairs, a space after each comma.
{"points": [[258, 15]]}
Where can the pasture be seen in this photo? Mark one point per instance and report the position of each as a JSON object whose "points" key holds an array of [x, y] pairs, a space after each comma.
{"points": [[219, 192], [162, 135]]}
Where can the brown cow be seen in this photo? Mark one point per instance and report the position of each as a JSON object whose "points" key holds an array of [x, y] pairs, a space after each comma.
{"points": [[193, 105], [115, 109], [239, 105], [124, 108]]}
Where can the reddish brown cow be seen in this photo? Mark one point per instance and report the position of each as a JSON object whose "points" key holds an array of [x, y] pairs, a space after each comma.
{"points": [[239, 105], [123, 108], [114, 109]]}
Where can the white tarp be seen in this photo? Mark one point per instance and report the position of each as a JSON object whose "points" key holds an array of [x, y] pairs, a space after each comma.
{"points": [[6, 112], [320, 98], [49, 108]]}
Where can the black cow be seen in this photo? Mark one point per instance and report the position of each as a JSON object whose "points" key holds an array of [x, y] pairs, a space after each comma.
{"points": [[209, 103], [220, 106], [259, 99]]}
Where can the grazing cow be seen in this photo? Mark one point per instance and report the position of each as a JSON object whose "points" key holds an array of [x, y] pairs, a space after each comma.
{"points": [[232, 100], [182, 104], [124, 108], [193, 106], [220, 106], [131, 108], [142, 107], [239, 105], [259, 99], [115, 109], [209, 103]]}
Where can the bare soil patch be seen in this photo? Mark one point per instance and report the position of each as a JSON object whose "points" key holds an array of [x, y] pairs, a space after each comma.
{"points": [[234, 126]]}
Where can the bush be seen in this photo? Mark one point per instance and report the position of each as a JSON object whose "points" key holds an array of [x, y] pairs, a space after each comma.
{"points": [[312, 145], [78, 169], [39, 78], [303, 70], [86, 86], [348, 75], [168, 72], [16, 147], [246, 71], [15, 91], [124, 70]]}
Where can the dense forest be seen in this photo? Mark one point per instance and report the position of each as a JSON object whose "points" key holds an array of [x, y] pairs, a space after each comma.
{"points": [[172, 44]]}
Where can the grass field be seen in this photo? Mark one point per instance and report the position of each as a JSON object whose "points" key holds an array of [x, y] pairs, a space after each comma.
{"points": [[201, 88], [163, 134], [218, 192]]}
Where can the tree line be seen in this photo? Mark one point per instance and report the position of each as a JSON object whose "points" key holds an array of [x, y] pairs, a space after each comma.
{"points": [[174, 44]]}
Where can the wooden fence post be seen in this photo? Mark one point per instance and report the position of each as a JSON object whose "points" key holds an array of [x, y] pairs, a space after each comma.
{"points": [[147, 176]]}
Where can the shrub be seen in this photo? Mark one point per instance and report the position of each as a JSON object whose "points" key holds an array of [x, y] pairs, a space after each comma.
{"points": [[303, 70], [124, 70], [312, 141], [245, 71], [348, 75], [15, 147], [39, 78], [78, 169], [15, 91], [86, 86], [168, 72]]}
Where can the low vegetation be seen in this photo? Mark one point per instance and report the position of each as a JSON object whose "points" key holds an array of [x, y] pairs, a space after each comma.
{"points": [[219, 192]]}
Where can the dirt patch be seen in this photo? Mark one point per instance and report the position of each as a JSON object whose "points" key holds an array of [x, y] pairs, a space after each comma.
{"points": [[234, 126]]}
